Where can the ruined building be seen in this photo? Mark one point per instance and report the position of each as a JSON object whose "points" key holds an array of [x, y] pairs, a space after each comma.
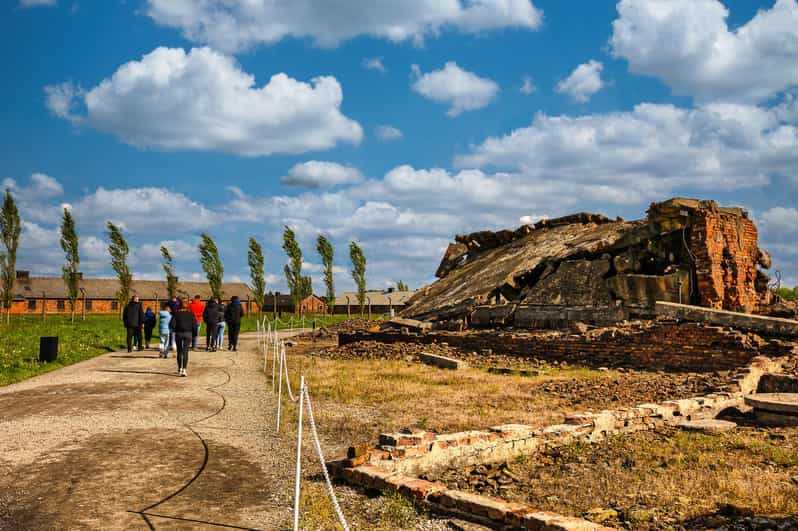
{"points": [[590, 268]]}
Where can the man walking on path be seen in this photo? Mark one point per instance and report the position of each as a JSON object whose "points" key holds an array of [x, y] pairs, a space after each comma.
{"points": [[197, 308], [211, 318], [133, 319], [232, 316]]}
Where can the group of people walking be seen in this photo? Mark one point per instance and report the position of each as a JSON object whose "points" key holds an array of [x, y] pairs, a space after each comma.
{"points": [[180, 325]]}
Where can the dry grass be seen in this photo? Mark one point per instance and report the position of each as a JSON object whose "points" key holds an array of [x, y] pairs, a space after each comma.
{"points": [[360, 399], [671, 476]]}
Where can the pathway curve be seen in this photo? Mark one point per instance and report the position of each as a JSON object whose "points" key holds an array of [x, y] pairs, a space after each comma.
{"points": [[122, 442]]}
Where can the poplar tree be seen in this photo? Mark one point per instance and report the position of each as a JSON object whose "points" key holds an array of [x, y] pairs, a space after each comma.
{"points": [[293, 269], [169, 268], [118, 249], [358, 272], [69, 244], [401, 286], [211, 264], [325, 250], [256, 273], [10, 228]]}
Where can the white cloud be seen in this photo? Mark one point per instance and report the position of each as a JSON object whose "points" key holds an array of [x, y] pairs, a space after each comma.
{"points": [[388, 132], [63, 99], [688, 45], [451, 85], [645, 153], [583, 82], [374, 63], [317, 173], [40, 186], [527, 86], [36, 3], [141, 210], [202, 100], [233, 25], [181, 251], [781, 223]]}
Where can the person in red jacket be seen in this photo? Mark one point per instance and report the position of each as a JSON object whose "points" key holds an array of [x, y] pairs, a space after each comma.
{"points": [[197, 308]]}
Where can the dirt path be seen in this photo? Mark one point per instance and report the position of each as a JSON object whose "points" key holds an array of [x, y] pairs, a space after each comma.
{"points": [[122, 442]]}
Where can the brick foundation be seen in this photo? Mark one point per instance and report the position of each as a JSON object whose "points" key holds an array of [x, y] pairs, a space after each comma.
{"points": [[400, 457], [661, 345]]}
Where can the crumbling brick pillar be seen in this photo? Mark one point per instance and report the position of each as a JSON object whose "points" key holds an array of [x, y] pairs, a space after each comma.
{"points": [[723, 242]]}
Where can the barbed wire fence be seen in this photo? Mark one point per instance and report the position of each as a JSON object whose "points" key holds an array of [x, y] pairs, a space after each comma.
{"points": [[274, 351]]}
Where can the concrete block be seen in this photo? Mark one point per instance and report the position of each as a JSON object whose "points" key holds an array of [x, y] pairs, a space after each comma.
{"points": [[442, 361]]}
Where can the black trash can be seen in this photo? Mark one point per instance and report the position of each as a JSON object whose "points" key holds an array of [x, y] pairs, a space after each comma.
{"points": [[48, 348]]}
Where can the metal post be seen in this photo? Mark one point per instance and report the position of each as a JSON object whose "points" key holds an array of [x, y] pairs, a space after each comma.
{"points": [[83, 310], [44, 306], [348, 309], [369, 300], [298, 454]]}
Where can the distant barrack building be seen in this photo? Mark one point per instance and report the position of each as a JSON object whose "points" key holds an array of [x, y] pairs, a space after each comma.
{"points": [[98, 296], [377, 302]]}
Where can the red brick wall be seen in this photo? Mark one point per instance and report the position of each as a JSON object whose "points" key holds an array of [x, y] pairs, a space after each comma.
{"points": [[679, 346], [725, 249]]}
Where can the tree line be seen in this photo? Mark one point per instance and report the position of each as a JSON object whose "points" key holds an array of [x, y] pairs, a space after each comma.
{"points": [[299, 285]]}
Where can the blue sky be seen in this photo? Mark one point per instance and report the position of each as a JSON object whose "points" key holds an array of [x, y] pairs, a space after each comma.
{"points": [[394, 124]]}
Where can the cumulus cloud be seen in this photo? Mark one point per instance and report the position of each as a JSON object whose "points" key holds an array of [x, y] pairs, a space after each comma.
{"points": [[388, 132], [374, 63], [527, 86], [583, 82], [202, 100], [689, 45], [460, 89], [40, 186], [234, 25], [180, 250], [141, 210], [648, 151], [317, 173]]}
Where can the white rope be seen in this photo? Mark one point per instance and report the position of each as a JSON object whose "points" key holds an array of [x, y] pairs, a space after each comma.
{"points": [[330, 490], [298, 479], [284, 363]]}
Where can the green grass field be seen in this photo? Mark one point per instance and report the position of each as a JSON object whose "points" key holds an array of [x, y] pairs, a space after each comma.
{"points": [[81, 340]]}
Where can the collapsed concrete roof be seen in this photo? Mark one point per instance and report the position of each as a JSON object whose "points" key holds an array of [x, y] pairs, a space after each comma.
{"points": [[686, 250]]}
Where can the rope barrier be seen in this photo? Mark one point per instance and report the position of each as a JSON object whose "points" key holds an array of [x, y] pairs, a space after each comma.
{"points": [[298, 455], [320, 455], [271, 338]]}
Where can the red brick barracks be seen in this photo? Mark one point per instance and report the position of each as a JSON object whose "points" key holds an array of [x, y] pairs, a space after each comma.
{"points": [[98, 295], [36, 295]]}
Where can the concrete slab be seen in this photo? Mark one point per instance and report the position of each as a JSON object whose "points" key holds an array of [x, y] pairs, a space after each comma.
{"points": [[442, 361], [707, 425], [784, 403]]}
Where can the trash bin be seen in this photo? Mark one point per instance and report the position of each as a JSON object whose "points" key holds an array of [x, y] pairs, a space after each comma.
{"points": [[48, 348]]}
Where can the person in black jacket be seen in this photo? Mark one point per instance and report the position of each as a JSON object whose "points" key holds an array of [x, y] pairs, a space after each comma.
{"points": [[232, 316], [211, 317], [133, 319], [184, 325]]}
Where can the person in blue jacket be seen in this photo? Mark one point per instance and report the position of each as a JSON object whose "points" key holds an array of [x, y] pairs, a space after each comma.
{"points": [[164, 329]]}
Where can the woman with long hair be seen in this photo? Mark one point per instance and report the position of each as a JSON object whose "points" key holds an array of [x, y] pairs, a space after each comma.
{"points": [[184, 325]]}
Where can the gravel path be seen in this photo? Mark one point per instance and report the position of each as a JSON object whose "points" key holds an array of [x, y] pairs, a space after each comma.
{"points": [[122, 442]]}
